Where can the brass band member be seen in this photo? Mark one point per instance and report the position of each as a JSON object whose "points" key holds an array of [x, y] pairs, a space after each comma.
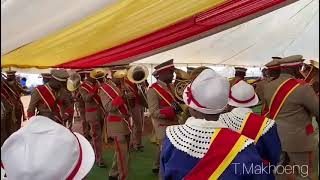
{"points": [[94, 112], [162, 104], [8, 118], [271, 73], [118, 126], [52, 99], [291, 103], [45, 77], [239, 75], [15, 89], [80, 106], [137, 102]]}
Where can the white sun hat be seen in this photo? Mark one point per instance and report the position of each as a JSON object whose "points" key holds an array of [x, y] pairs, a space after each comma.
{"points": [[208, 93], [45, 149], [242, 94]]}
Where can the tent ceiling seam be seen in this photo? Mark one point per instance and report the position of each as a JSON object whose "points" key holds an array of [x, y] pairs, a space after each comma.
{"points": [[300, 10], [298, 34]]}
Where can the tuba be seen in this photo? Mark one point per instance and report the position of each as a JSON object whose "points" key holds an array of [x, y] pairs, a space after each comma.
{"points": [[99, 75], [138, 74], [180, 83], [73, 82], [310, 72], [179, 87], [120, 74]]}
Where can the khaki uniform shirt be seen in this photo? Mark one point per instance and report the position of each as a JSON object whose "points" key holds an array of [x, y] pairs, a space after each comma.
{"points": [[114, 128], [68, 105], [234, 80], [260, 86], [154, 103], [92, 109], [294, 115], [16, 87], [38, 107], [8, 116], [4, 130], [80, 104]]}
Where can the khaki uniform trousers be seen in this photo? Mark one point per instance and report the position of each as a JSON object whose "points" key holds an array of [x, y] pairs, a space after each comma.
{"points": [[85, 124], [137, 118], [160, 131], [121, 157], [297, 166], [94, 118]]}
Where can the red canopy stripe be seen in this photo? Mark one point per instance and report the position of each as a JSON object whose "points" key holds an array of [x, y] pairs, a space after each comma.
{"points": [[215, 18]]}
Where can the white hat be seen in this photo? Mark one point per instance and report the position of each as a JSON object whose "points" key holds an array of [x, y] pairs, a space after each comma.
{"points": [[242, 94], [208, 93], [45, 149]]}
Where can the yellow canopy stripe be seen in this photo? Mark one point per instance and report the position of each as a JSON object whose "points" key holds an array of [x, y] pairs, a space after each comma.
{"points": [[115, 25]]}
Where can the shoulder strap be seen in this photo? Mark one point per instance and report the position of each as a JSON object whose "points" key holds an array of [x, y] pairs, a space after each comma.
{"points": [[280, 96], [6, 86], [5, 95], [87, 87], [50, 100], [132, 86], [253, 126], [219, 156], [164, 94], [112, 93]]}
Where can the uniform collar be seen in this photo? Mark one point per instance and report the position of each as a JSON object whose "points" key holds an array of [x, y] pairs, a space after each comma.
{"points": [[202, 123], [163, 84]]}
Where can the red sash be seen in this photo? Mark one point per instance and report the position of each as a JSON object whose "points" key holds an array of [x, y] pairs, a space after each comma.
{"points": [[280, 96], [133, 87], [16, 96], [253, 126], [225, 146], [164, 94], [5, 95], [50, 100], [113, 93], [89, 88]]}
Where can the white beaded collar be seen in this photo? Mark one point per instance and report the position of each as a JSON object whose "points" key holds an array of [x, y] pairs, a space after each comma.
{"points": [[236, 117], [194, 136]]}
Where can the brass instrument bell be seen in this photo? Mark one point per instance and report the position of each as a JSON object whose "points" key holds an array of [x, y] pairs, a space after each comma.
{"points": [[137, 73], [73, 82], [98, 73], [119, 74]]}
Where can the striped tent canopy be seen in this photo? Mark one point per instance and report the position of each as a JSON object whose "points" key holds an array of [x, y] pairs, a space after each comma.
{"points": [[84, 34]]}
